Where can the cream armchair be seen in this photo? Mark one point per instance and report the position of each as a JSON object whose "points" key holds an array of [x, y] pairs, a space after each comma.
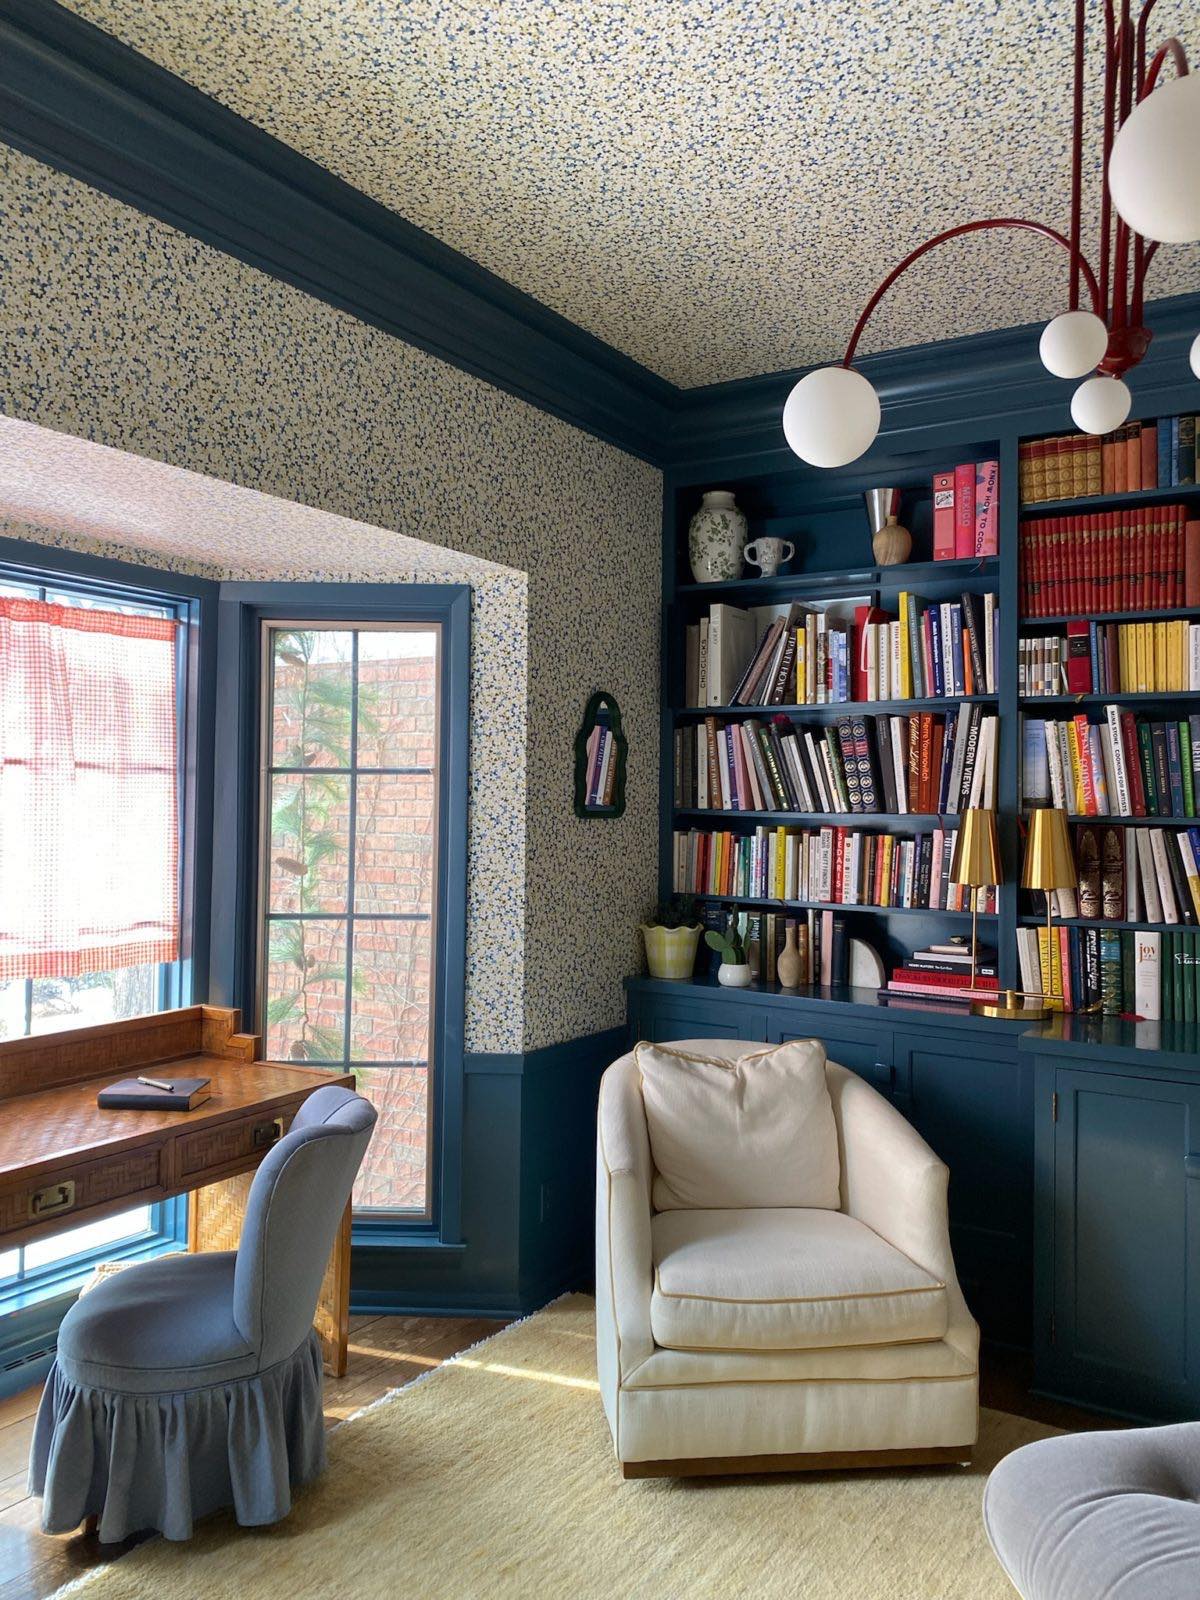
{"points": [[774, 1283]]}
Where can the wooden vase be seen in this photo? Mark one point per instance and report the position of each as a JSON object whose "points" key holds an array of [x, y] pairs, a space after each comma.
{"points": [[892, 544]]}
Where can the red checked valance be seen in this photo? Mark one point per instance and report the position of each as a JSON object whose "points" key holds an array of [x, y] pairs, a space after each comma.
{"points": [[89, 847]]}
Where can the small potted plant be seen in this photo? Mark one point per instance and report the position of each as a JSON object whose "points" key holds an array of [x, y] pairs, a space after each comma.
{"points": [[672, 935], [734, 971]]}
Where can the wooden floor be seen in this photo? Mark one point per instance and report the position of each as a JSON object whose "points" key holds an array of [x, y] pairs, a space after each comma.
{"points": [[385, 1352]]}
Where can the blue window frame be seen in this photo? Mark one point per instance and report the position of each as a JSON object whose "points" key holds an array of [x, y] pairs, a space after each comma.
{"points": [[248, 614], [30, 1286]]}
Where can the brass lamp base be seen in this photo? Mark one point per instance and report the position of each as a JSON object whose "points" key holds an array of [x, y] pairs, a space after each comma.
{"points": [[1010, 1005]]}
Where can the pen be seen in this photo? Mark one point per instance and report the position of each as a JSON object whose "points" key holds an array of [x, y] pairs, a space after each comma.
{"points": [[157, 1083]]}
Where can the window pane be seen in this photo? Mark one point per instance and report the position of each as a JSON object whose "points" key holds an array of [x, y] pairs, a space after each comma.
{"points": [[85, 1001], [309, 868], [397, 694], [109, 1230], [312, 697], [393, 868], [392, 1175], [10, 1260], [390, 1012], [306, 991]]}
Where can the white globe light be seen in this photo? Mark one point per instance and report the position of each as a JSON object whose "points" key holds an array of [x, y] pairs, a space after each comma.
{"points": [[1194, 355], [1152, 168], [1073, 344], [1100, 404], [831, 417]]}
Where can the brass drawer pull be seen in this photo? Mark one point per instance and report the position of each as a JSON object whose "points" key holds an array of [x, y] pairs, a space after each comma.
{"points": [[58, 1197], [266, 1133]]}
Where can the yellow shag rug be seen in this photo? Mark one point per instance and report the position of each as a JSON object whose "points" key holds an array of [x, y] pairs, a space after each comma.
{"points": [[494, 1476]]}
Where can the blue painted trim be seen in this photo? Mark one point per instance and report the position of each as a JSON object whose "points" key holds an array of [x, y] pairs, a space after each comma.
{"points": [[242, 608], [73, 96]]}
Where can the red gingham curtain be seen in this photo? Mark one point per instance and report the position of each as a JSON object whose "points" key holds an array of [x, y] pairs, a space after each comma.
{"points": [[88, 815]]}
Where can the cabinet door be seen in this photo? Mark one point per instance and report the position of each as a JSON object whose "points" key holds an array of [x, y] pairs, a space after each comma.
{"points": [[864, 1049], [660, 1021], [972, 1102], [1124, 1227]]}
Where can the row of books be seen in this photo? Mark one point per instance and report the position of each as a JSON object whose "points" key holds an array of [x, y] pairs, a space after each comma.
{"points": [[1139, 455], [1126, 766], [822, 943], [965, 511], [800, 655], [1116, 971], [601, 771], [927, 763], [1132, 875], [943, 973], [826, 866], [1146, 559], [1111, 658]]}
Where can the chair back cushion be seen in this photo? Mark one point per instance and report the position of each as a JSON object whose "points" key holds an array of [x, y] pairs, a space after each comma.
{"points": [[296, 1203], [737, 1134]]}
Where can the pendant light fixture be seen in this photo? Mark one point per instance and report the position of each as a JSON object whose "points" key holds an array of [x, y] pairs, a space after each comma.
{"points": [[1151, 196]]}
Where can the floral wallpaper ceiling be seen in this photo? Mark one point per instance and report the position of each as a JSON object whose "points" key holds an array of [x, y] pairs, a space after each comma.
{"points": [[711, 186]]}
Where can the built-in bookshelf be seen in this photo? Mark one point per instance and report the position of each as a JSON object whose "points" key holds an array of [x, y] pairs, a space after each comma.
{"points": [[825, 517]]}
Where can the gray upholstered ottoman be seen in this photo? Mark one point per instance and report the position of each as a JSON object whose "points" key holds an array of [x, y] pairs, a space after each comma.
{"points": [[1100, 1516]]}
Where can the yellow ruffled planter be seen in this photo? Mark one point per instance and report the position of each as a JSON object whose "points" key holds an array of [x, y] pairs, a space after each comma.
{"points": [[671, 952]]}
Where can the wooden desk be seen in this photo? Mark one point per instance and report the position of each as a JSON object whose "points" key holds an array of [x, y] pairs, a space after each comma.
{"points": [[64, 1162]]}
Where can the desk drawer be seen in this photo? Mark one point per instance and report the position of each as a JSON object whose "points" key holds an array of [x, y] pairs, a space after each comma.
{"points": [[78, 1188], [230, 1144]]}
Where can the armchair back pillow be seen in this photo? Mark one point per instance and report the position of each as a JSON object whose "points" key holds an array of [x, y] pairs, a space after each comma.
{"points": [[737, 1135]]}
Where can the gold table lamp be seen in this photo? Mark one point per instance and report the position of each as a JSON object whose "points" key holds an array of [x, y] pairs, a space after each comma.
{"points": [[976, 864], [1049, 864]]}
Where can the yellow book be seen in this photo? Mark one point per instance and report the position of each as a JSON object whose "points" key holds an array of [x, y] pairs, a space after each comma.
{"points": [[1050, 966], [1191, 870], [801, 666], [905, 658], [1145, 657], [1123, 650], [1181, 644], [1076, 769], [779, 886], [1159, 681], [889, 843]]}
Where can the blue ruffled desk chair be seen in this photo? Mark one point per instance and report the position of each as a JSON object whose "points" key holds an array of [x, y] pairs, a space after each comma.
{"points": [[192, 1383]]}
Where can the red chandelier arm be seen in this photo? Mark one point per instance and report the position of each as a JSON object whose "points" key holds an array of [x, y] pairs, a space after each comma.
{"points": [[1077, 258], [1077, 152], [1146, 254], [1173, 48]]}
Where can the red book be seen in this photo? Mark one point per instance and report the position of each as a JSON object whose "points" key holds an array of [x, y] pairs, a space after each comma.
{"points": [[1133, 456], [1191, 565], [1108, 465], [987, 478], [1120, 462], [1178, 556], [839, 842], [943, 516], [1149, 455], [858, 673], [1133, 764], [1079, 658], [964, 509]]}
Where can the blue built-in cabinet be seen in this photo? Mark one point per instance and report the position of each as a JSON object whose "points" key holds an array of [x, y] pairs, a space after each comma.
{"points": [[1074, 1154]]}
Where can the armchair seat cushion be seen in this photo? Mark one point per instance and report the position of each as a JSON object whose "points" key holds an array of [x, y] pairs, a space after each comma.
{"points": [[785, 1279]]}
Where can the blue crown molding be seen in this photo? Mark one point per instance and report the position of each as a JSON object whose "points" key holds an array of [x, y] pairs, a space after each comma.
{"points": [[972, 386], [79, 100]]}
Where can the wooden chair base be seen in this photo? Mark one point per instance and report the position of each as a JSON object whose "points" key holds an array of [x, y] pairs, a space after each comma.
{"points": [[804, 1461]]}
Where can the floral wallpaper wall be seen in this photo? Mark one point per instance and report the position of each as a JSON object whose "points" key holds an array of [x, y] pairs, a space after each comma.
{"points": [[118, 329]]}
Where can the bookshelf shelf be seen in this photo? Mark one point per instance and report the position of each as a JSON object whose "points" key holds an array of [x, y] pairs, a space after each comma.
{"points": [[1111, 502], [1105, 922], [883, 819], [839, 584], [1173, 614], [840, 708], [839, 906], [1129, 822], [1147, 697]]}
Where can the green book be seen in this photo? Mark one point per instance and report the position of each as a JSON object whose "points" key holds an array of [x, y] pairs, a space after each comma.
{"points": [[1191, 949], [1149, 782], [1166, 986], [1128, 989], [1185, 747], [1110, 971], [1179, 970]]}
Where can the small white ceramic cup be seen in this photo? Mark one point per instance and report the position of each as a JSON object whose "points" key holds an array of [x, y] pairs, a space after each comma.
{"points": [[769, 554]]}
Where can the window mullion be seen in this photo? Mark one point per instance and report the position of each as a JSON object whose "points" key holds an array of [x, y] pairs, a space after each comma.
{"points": [[352, 845]]}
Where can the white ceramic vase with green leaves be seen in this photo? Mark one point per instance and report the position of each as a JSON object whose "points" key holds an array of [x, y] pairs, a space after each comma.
{"points": [[717, 538]]}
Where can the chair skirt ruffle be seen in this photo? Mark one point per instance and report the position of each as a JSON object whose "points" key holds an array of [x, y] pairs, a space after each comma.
{"points": [[159, 1461]]}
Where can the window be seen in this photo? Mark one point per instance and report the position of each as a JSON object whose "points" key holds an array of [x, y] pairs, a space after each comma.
{"points": [[349, 867], [92, 708]]}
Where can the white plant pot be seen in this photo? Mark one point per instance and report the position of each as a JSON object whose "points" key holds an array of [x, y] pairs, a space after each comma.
{"points": [[733, 977]]}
